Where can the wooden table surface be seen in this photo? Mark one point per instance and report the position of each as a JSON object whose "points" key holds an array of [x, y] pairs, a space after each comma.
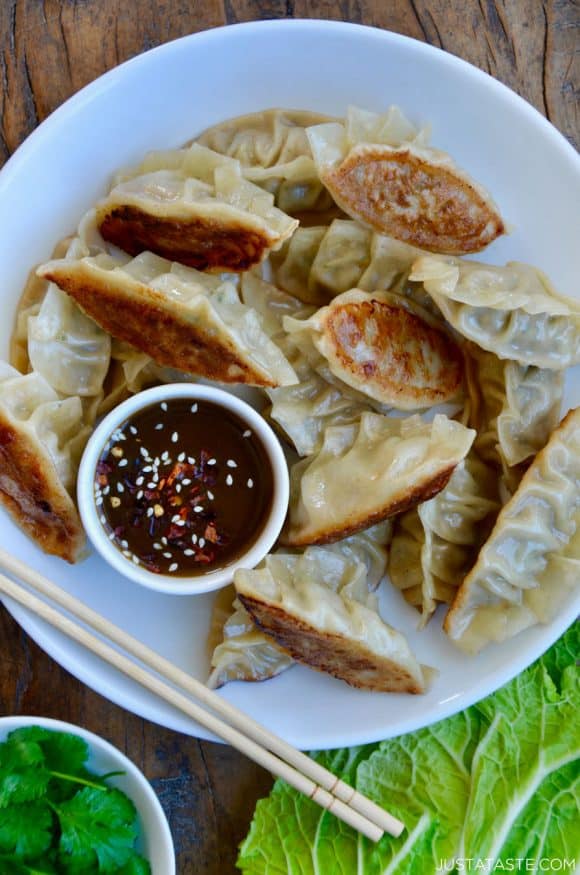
{"points": [[51, 48]]}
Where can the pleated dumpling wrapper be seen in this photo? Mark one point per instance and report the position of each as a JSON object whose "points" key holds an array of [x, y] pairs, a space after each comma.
{"points": [[436, 543], [379, 169], [195, 207], [512, 311], [274, 152], [318, 263], [180, 317], [354, 567], [41, 440], [385, 346], [368, 471], [530, 564], [326, 628]]}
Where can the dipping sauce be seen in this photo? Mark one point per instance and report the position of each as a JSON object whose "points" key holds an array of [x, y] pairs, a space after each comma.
{"points": [[183, 487]]}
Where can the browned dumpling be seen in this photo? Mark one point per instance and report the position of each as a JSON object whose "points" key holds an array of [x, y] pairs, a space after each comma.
{"points": [[180, 317], [380, 172], [385, 346], [195, 207]]}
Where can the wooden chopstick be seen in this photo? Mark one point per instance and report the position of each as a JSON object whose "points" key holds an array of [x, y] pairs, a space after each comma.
{"points": [[256, 741]]}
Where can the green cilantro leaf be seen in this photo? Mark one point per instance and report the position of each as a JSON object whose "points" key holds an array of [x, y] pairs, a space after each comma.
{"points": [[26, 830], [44, 866], [23, 775], [62, 752], [97, 827], [137, 865]]}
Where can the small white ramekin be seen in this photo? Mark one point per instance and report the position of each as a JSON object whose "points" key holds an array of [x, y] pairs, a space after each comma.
{"points": [[154, 840], [164, 582]]}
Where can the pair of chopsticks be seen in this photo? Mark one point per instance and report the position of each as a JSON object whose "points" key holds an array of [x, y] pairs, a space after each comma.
{"points": [[161, 677]]}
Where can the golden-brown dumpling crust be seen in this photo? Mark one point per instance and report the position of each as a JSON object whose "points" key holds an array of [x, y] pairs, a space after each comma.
{"points": [[141, 316], [32, 493], [330, 653], [195, 241], [425, 204], [406, 361]]}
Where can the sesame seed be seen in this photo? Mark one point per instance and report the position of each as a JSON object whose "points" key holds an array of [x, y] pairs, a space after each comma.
{"points": [[115, 502], [174, 566], [194, 408], [159, 426], [231, 464], [229, 480], [211, 461], [194, 539], [139, 481], [158, 511], [127, 553], [99, 500], [168, 555], [135, 559], [156, 461], [132, 429], [104, 519], [210, 495], [147, 469], [178, 487], [165, 454], [106, 490], [149, 511], [164, 540], [143, 451], [247, 433], [111, 536], [140, 494], [123, 462], [125, 545], [180, 523], [174, 437], [181, 457], [120, 487], [198, 508], [202, 542], [175, 518], [250, 483], [188, 552], [157, 546], [151, 484], [186, 481], [164, 405], [191, 460]]}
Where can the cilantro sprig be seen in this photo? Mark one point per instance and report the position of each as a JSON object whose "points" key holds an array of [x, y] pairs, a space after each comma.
{"points": [[58, 818]]}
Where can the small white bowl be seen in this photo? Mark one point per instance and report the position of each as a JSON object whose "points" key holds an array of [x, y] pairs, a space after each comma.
{"points": [[154, 840], [164, 582]]}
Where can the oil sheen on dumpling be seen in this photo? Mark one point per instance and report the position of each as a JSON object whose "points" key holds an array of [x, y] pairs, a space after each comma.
{"points": [[41, 439], [380, 171], [273, 150], [369, 471], [386, 347], [512, 311], [435, 544], [196, 208], [318, 606], [180, 317], [528, 568]]}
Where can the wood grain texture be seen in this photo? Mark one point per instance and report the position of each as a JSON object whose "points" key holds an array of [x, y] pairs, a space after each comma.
{"points": [[50, 49]]}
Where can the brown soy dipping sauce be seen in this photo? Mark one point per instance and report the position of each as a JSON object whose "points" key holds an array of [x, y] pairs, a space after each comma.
{"points": [[183, 487]]}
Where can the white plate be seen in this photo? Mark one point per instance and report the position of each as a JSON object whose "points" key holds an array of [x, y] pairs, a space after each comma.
{"points": [[163, 98]]}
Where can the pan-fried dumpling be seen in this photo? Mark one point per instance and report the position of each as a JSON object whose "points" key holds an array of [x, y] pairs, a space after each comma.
{"points": [[317, 606], [271, 303], [529, 565], [274, 152], [353, 567], [514, 407], [379, 170], [368, 471], [68, 348], [435, 544], [386, 347], [41, 439], [201, 212], [319, 263], [184, 319], [512, 311]]}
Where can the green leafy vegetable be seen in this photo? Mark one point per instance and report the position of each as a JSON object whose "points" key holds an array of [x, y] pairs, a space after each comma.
{"points": [[56, 817], [495, 784]]}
